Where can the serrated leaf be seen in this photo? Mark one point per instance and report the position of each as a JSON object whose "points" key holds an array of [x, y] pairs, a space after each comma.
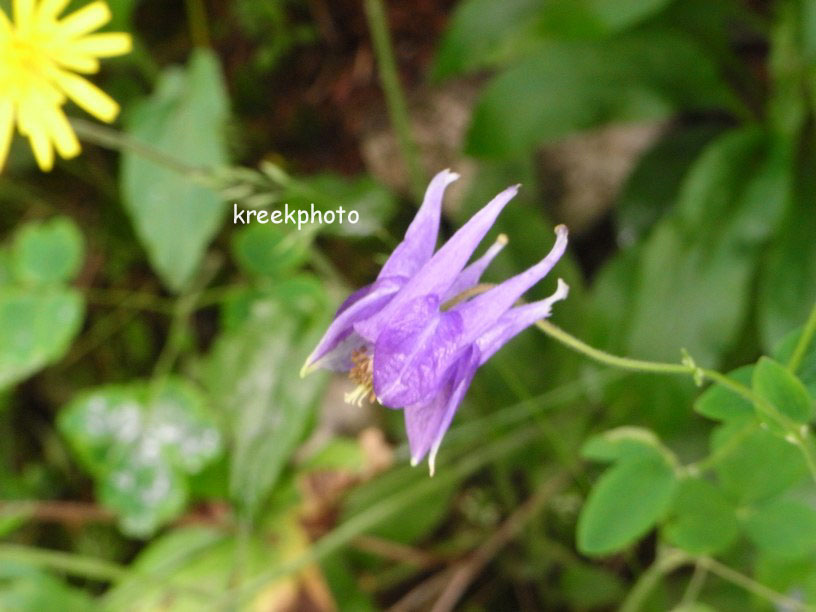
{"points": [[568, 86], [783, 528], [757, 464], [774, 383], [140, 442], [36, 329], [174, 217], [47, 253], [720, 403], [253, 375], [701, 520], [625, 503]]}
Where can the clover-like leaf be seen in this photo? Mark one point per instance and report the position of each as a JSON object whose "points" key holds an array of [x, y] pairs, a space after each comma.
{"points": [[48, 252], [774, 383], [140, 442]]}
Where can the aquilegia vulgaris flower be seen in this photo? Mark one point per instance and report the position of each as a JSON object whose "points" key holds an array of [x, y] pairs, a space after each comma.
{"points": [[40, 56], [415, 337]]}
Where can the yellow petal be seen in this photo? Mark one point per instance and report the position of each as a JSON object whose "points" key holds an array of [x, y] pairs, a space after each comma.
{"points": [[107, 44], [87, 95], [50, 9], [87, 19], [23, 14], [62, 134], [77, 62], [6, 129], [32, 124]]}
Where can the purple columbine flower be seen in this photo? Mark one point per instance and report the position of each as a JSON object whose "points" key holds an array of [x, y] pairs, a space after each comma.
{"points": [[409, 342]]}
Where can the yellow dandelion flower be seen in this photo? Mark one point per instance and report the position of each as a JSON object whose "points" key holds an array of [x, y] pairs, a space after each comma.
{"points": [[41, 59]]}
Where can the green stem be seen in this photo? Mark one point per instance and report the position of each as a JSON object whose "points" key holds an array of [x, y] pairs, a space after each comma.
{"points": [[667, 562], [394, 96], [613, 360], [197, 20], [75, 565], [752, 586], [116, 140], [804, 342]]}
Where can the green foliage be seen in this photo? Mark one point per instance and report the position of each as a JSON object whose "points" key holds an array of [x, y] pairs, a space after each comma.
{"points": [[701, 519], [140, 442], [184, 118], [775, 384]]}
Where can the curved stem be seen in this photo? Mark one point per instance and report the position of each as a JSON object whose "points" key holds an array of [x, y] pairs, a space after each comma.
{"points": [[804, 342], [667, 562]]}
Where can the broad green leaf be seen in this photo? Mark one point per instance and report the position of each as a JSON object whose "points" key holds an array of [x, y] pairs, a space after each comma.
{"points": [[140, 442], [644, 199], [478, 31], [619, 14], [783, 528], [701, 520], [625, 443], [47, 253], [720, 403], [175, 217], [36, 329], [755, 464], [625, 503], [806, 372], [568, 86], [24, 588], [706, 250], [786, 288], [269, 251], [253, 375], [774, 383]]}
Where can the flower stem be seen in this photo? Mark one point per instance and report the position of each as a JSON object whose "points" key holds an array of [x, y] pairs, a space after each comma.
{"points": [[116, 140], [804, 342], [667, 562], [394, 96]]}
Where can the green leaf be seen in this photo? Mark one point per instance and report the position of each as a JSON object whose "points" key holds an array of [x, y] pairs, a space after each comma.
{"points": [[36, 329], [140, 442], [268, 251], [774, 383], [620, 14], [756, 464], [624, 443], [174, 217], [568, 86], [783, 528], [643, 199], [253, 375], [625, 503], [24, 588], [721, 403], [47, 253], [478, 30], [701, 520], [707, 249]]}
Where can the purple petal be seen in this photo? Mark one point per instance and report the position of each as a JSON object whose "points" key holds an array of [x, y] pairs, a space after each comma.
{"points": [[482, 312], [334, 350], [426, 424], [471, 275], [411, 355], [515, 320], [439, 273], [420, 239]]}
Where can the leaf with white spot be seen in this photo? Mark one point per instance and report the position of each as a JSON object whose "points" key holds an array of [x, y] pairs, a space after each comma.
{"points": [[140, 443]]}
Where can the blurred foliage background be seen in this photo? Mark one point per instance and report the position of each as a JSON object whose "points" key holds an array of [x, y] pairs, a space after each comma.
{"points": [[157, 448]]}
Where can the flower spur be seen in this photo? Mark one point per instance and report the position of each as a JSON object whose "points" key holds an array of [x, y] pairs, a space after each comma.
{"points": [[409, 342]]}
